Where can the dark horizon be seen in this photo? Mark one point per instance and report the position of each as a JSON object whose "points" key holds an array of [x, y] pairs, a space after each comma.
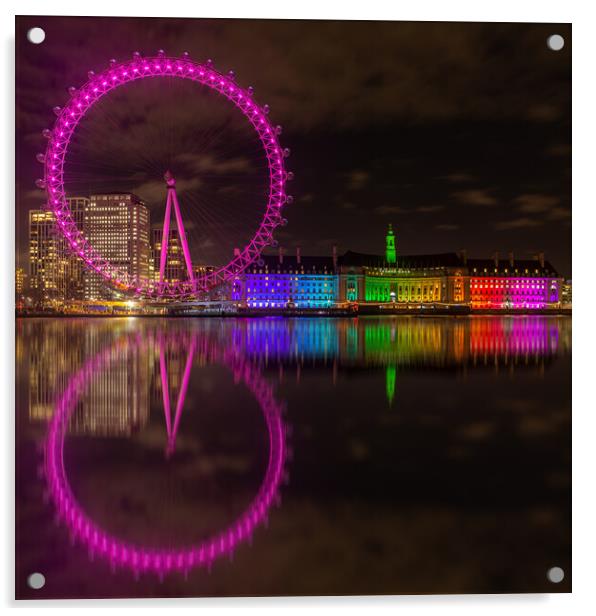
{"points": [[457, 134]]}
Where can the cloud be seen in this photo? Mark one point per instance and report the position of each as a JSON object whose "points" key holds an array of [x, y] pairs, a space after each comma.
{"points": [[543, 113], [535, 203], [446, 227], [429, 209], [559, 213], [559, 149], [457, 178], [229, 189], [154, 190], [206, 244], [35, 194], [475, 196], [548, 206], [207, 163], [388, 209], [346, 205], [517, 223], [358, 179], [414, 57]]}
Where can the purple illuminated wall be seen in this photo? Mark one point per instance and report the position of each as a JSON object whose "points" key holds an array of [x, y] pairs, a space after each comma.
{"points": [[272, 290]]}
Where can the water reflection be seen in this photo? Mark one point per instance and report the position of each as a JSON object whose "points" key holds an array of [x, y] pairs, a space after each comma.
{"points": [[165, 445], [117, 402], [125, 353]]}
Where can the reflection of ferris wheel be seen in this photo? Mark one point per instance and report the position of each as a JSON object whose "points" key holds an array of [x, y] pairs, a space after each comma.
{"points": [[161, 66], [141, 559]]}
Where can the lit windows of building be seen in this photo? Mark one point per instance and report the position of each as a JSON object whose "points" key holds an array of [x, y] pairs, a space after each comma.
{"points": [[175, 268], [288, 281], [566, 296], [512, 284], [20, 281], [118, 228], [412, 279], [48, 258]]}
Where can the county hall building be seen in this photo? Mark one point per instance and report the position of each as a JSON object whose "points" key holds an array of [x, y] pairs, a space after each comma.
{"points": [[279, 281]]}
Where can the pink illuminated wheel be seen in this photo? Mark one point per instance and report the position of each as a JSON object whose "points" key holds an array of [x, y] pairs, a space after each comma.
{"points": [[140, 559], [161, 66]]}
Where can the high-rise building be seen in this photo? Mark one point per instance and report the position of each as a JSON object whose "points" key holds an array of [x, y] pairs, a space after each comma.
{"points": [[19, 281], [566, 294], [175, 270], [118, 228], [55, 273], [46, 270], [75, 271]]}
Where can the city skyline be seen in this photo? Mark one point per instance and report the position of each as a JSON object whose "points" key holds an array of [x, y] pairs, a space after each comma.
{"points": [[453, 164], [119, 226]]}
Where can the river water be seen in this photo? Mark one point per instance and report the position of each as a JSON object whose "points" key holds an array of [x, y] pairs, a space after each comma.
{"points": [[273, 456]]}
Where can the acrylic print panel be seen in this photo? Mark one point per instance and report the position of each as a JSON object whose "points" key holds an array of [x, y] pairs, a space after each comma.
{"points": [[340, 369]]}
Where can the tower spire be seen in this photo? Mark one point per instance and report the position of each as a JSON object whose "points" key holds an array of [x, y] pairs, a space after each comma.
{"points": [[390, 254]]}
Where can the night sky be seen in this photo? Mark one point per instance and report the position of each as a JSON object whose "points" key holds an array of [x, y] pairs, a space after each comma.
{"points": [[458, 134]]}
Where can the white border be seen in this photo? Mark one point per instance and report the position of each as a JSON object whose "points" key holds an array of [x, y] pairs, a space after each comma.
{"points": [[581, 13]]}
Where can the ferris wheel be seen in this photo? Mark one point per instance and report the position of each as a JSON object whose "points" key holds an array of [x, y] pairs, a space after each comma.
{"points": [[267, 204]]}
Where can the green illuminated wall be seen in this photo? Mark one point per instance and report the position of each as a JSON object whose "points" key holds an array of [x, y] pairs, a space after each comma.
{"points": [[378, 288]]}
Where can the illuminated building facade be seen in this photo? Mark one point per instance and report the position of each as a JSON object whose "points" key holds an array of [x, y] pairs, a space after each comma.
{"points": [[54, 272], [498, 283], [566, 295], [407, 280], [288, 281], [175, 270], [19, 281], [411, 279], [46, 257], [75, 272], [117, 226]]}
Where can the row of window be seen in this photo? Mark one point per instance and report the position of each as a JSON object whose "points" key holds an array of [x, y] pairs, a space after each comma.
{"points": [[311, 303]]}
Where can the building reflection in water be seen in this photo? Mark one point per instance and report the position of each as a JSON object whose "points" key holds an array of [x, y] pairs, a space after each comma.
{"points": [[403, 341], [117, 402], [100, 377]]}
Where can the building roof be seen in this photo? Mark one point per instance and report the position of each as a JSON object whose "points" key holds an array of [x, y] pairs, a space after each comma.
{"points": [[117, 195], [289, 263], [316, 264], [519, 266], [446, 259]]}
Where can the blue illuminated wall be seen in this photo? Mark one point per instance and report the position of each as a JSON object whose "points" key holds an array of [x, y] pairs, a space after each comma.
{"points": [[272, 290], [307, 282]]}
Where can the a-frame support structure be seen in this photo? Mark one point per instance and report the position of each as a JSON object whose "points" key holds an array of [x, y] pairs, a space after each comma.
{"points": [[172, 201]]}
